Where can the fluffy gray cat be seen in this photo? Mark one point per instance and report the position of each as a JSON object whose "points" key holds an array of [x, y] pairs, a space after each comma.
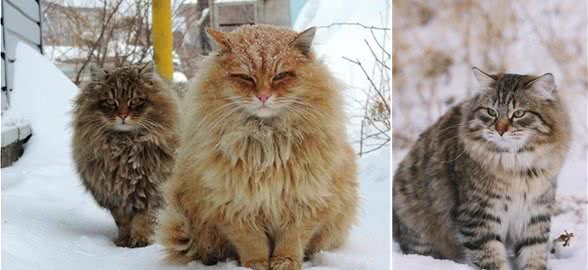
{"points": [[124, 144], [482, 179]]}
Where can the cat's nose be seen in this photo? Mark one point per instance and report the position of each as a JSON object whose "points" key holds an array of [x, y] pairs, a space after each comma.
{"points": [[123, 115], [502, 126], [263, 98], [123, 112]]}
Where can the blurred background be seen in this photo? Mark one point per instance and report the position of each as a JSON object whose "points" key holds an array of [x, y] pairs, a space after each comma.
{"points": [[115, 32], [435, 44]]}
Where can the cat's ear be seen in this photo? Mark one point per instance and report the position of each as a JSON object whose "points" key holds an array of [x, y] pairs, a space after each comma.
{"points": [[96, 72], [303, 41], [148, 73], [147, 68], [218, 39], [544, 86], [484, 79]]}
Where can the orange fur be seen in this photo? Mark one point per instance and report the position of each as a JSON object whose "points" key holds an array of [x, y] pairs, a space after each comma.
{"points": [[266, 188]]}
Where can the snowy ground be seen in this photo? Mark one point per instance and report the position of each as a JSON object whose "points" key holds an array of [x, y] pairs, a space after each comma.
{"points": [[49, 222]]}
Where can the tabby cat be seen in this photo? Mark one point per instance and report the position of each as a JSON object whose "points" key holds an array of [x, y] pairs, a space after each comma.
{"points": [[124, 146], [265, 174], [482, 179]]}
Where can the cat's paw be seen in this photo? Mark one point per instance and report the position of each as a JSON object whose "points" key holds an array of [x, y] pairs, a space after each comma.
{"points": [[257, 264], [284, 263], [209, 260], [133, 242], [121, 241], [139, 241]]}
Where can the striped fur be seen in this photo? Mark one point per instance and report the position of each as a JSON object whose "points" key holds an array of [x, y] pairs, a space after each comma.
{"points": [[468, 193], [122, 161]]}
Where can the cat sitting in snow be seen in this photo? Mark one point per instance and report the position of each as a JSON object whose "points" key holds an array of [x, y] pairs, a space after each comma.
{"points": [[482, 179], [265, 174]]}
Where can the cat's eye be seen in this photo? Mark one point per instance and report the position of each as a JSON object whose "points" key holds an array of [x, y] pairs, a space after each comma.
{"points": [[108, 103], [519, 114], [243, 77], [136, 102], [491, 112], [281, 76]]}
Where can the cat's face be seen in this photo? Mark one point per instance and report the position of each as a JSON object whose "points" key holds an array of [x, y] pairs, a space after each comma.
{"points": [[121, 99], [512, 111], [261, 67]]}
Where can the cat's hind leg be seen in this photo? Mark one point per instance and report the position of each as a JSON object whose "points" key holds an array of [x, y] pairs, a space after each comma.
{"points": [[410, 241], [336, 221], [332, 234], [185, 242]]}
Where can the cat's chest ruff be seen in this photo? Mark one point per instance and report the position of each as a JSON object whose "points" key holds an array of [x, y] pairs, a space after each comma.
{"points": [[127, 170], [515, 213], [519, 204], [267, 170], [260, 145], [125, 149], [121, 143]]}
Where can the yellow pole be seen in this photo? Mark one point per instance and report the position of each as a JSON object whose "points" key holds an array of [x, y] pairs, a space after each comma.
{"points": [[162, 38]]}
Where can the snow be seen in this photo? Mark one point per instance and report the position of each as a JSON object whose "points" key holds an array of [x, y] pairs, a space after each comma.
{"points": [[179, 77], [49, 89], [338, 41], [50, 222]]}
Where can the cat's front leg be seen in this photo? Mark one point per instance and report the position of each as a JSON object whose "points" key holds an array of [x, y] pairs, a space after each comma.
{"points": [[289, 247], [123, 223], [142, 226], [532, 246], [480, 237], [251, 243]]}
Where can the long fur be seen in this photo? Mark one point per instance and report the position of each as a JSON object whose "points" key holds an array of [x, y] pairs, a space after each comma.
{"points": [[239, 175], [124, 170], [467, 194]]}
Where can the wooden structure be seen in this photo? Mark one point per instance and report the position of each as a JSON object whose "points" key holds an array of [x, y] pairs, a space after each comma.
{"points": [[21, 22]]}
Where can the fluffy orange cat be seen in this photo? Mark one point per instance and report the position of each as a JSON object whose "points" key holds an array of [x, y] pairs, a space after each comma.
{"points": [[265, 174]]}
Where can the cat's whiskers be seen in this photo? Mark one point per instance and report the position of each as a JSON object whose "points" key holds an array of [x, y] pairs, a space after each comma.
{"points": [[304, 106], [96, 126], [309, 114], [220, 114], [151, 126]]}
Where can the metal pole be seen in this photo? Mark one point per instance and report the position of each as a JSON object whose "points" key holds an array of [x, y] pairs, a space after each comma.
{"points": [[163, 38]]}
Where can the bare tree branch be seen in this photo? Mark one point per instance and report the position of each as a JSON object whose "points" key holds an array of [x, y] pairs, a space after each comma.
{"points": [[105, 22], [354, 24]]}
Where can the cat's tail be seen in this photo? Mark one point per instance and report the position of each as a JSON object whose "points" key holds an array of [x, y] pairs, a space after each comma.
{"points": [[174, 234]]}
